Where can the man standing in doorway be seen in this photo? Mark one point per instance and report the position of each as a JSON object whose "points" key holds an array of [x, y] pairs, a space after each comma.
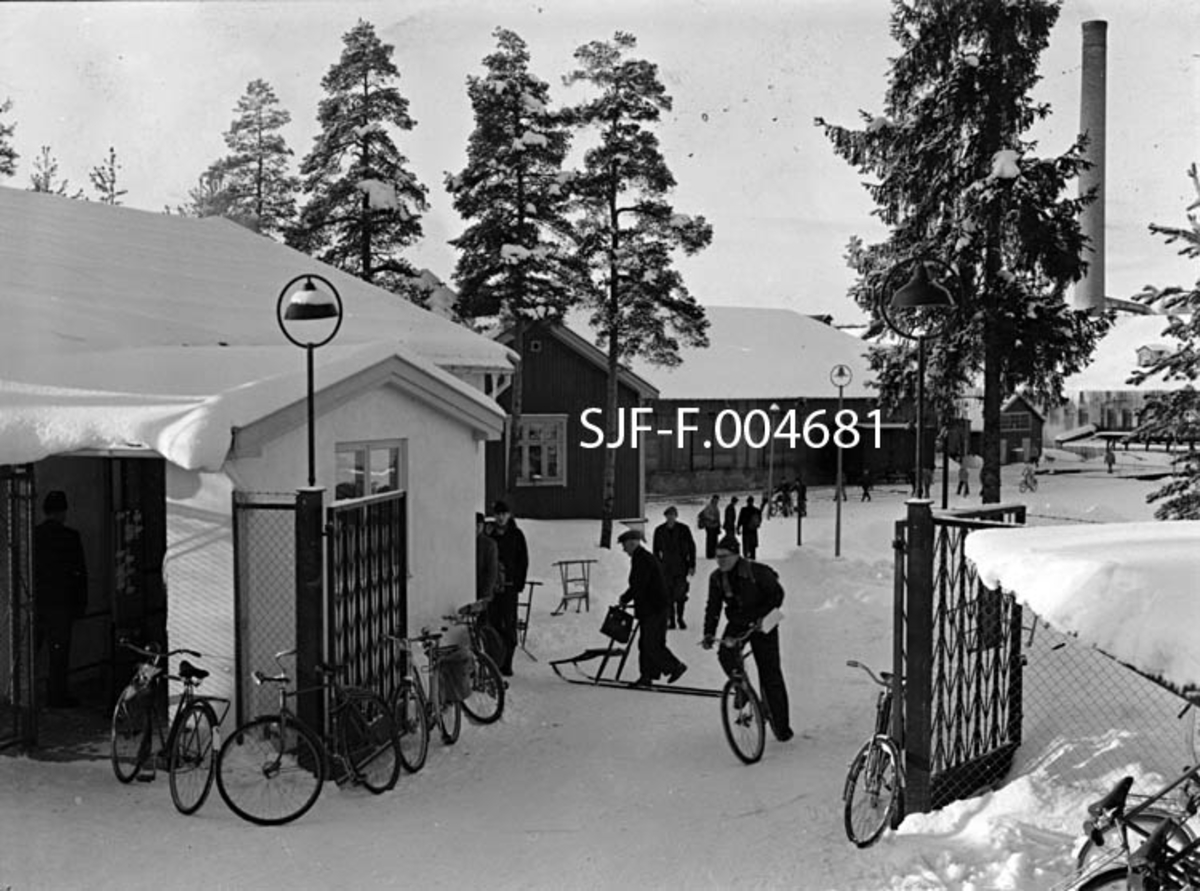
{"points": [[514, 566], [60, 589], [675, 551], [648, 592]]}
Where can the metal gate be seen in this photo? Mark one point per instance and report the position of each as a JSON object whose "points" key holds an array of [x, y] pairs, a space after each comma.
{"points": [[18, 717], [367, 587], [958, 646]]}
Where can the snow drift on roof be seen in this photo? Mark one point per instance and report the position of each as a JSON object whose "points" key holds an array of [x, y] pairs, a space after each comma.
{"points": [[1115, 358]]}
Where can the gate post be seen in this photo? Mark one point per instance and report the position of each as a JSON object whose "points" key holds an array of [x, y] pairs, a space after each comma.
{"points": [[918, 696], [310, 603]]}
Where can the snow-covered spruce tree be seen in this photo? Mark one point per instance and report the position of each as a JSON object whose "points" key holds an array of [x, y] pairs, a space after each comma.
{"points": [[626, 232], [954, 176], [104, 179], [8, 154], [259, 192], [515, 260], [1175, 417], [364, 205], [45, 176]]}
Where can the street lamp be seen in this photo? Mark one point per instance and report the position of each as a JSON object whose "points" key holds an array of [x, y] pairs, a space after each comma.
{"points": [[309, 304], [771, 461], [917, 311]]}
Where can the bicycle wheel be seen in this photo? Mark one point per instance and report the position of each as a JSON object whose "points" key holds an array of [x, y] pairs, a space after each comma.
{"points": [[410, 715], [193, 757], [1115, 879], [872, 791], [485, 705], [449, 717], [131, 734], [491, 643], [369, 740], [1142, 826], [742, 717], [270, 770]]}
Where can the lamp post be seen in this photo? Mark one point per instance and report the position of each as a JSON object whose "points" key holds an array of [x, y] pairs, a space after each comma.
{"points": [[917, 311], [308, 304], [771, 461]]}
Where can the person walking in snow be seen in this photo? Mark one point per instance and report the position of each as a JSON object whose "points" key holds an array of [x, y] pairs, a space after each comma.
{"points": [[647, 592], [710, 521], [729, 527], [675, 551], [964, 478], [514, 566], [749, 519], [865, 482], [748, 591]]}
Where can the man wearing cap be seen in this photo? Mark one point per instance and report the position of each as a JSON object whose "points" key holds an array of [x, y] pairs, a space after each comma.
{"points": [[60, 591], [748, 591], [675, 551], [648, 593], [514, 566]]}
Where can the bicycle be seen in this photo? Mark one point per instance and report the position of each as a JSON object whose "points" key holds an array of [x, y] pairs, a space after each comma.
{"points": [[1028, 482], [485, 705], [188, 743], [414, 711], [876, 771], [271, 769], [743, 714]]}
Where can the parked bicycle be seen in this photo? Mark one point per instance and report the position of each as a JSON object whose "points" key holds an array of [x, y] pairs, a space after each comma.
{"points": [[188, 744], [417, 713], [485, 705], [271, 769], [743, 713], [874, 790]]}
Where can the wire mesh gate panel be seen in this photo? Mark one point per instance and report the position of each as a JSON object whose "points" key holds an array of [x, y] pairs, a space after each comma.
{"points": [[367, 589], [958, 646], [17, 695], [264, 573]]}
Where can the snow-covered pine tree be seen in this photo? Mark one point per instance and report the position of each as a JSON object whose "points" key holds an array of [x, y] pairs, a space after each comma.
{"points": [[364, 205], [259, 192], [956, 178], [8, 154], [45, 176], [104, 179], [626, 232], [1175, 417], [513, 261]]}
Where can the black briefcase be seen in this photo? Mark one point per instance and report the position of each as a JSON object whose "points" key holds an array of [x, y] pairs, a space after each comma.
{"points": [[618, 624]]}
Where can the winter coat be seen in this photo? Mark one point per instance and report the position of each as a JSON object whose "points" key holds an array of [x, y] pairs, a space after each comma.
{"points": [[487, 566], [710, 517], [730, 518], [514, 555], [59, 571], [675, 549], [749, 519], [647, 589], [753, 591]]}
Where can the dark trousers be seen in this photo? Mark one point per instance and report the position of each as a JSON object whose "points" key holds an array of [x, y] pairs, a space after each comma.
{"points": [[677, 588], [503, 616], [749, 543], [56, 630], [711, 537], [654, 658], [770, 675], [964, 488]]}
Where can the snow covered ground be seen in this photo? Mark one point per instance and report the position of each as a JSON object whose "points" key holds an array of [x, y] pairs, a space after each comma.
{"points": [[594, 788]]}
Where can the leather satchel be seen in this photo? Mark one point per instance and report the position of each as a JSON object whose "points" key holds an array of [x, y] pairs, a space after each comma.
{"points": [[618, 624]]}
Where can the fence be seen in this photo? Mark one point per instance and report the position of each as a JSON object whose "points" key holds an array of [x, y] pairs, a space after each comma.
{"points": [[18, 719], [264, 561]]}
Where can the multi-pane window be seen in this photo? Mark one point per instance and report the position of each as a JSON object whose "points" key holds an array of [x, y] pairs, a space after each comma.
{"points": [[542, 444], [1015, 420], [369, 468]]}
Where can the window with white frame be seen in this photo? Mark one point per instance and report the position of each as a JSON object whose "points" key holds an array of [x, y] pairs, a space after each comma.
{"points": [[542, 443], [371, 468]]}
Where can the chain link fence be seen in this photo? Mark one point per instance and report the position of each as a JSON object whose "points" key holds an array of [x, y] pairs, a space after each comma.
{"points": [[264, 559]]}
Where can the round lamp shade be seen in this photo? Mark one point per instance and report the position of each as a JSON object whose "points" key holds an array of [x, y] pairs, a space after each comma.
{"points": [[309, 303]]}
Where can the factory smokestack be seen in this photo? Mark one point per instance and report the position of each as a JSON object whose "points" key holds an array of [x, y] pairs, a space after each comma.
{"points": [[1089, 293]]}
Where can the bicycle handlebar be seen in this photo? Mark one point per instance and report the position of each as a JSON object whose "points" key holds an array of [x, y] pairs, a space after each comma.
{"points": [[884, 681], [157, 654]]}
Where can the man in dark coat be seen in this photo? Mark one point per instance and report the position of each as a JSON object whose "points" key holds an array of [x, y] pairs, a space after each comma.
{"points": [[710, 521], [731, 514], [60, 591], [749, 519], [675, 551], [514, 566], [651, 602], [749, 591]]}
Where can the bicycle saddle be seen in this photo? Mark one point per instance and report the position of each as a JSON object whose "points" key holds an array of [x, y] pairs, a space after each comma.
{"points": [[190, 672]]}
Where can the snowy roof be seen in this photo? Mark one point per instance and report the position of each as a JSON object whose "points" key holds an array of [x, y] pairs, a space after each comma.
{"points": [[763, 353], [1127, 588], [1115, 358], [81, 275], [198, 395]]}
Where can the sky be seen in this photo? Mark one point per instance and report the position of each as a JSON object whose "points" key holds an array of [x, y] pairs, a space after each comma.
{"points": [[159, 81]]}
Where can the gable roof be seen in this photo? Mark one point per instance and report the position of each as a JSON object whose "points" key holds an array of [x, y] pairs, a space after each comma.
{"points": [[763, 353], [77, 275], [1116, 357], [590, 352]]}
